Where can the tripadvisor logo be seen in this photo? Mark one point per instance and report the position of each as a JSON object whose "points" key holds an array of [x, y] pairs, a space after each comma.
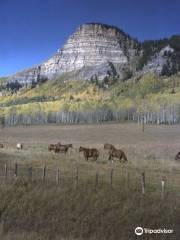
{"points": [[139, 231]]}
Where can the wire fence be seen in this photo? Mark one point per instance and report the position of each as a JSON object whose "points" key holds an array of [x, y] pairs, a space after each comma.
{"points": [[144, 182]]}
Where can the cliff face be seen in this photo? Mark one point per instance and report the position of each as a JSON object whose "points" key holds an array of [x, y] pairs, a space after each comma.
{"points": [[93, 46], [158, 61], [27, 76], [96, 51]]}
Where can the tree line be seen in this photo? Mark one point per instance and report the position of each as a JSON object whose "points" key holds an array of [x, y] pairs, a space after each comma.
{"points": [[165, 115]]}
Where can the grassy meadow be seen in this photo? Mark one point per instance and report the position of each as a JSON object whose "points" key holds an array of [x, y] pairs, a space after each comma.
{"points": [[91, 210]]}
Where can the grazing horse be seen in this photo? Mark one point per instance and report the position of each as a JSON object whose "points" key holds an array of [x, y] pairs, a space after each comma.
{"points": [[19, 146], [1, 145], [63, 148], [117, 153], [177, 157], [89, 152], [52, 147]]}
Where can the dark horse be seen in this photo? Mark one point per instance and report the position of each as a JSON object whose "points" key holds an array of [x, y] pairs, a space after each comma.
{"points": [[89, 153], [117, 153], [52, 147], [63, 148], [177, 157]]}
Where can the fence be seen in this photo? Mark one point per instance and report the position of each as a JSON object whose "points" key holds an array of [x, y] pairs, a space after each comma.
{"points": [[144, 182]]}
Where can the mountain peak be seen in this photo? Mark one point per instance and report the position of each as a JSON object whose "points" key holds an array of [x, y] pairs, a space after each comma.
{"points": [[101, 25], [97, 50]]}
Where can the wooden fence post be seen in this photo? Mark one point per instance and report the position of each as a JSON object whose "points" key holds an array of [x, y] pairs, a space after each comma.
{"points": [[111, 177], [97, 178], [77, 178], [57, 176], [128, 179], [16, 170], [143, 182], [162, 187], [44, 173], [5, 170], [30, 173]]}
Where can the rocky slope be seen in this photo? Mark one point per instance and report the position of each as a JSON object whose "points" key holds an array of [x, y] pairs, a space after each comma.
{"points": [[104, 48], [158, 61], [97, 51]]}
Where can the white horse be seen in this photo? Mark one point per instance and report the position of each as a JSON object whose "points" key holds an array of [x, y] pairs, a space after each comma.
{"points": [[19, 146]]}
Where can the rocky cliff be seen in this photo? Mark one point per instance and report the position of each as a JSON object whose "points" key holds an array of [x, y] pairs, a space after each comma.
{"points": [[100, 49], [96, 51]]}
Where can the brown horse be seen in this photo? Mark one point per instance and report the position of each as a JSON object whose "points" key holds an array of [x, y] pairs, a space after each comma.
{"points": [[52, 147], [63, 148], [177, 157], [89, 153], [117, 153]]}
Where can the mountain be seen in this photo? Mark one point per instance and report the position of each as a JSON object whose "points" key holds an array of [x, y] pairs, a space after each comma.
{"points": [[161, 56], [99, 51]]}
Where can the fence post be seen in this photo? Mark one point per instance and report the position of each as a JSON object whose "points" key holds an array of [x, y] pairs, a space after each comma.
{"points": [[44, 173], [97, 178], [111, 177], [143, 182], [77, 178], [128, 179], [57, 176], [16, 170], [162, 187], [30, 173], [5, 170]]}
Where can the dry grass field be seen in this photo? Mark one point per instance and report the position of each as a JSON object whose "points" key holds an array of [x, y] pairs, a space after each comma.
{"points": [[32, 211], [156, 147], [151, 151]]}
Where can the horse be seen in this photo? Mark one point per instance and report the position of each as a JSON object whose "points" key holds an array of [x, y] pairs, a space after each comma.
{"points": [[177, 157], [52, 147], [1, 145], [117, 153], [63, 148], [19, 146], [89, 152]]}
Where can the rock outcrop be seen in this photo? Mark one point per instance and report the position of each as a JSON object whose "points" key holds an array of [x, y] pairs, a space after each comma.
{"points": [[27, 76], [104, 49], [158, 61], [94, 49], [98, 51]]}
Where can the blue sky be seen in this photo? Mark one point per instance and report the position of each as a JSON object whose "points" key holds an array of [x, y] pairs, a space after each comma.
{"points": [[32, 30]]}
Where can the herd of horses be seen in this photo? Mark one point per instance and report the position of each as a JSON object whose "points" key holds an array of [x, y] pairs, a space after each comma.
{"points": [[94, 153], [88, 152]]}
